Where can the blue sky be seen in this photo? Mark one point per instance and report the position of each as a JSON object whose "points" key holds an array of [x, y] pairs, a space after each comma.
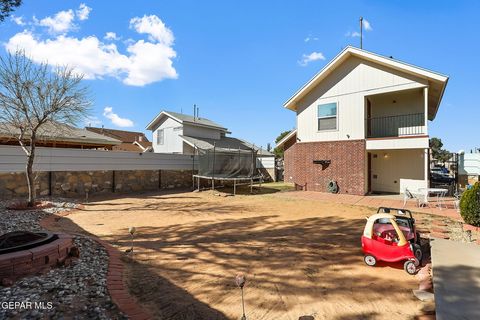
{"points": [[240, 60]]}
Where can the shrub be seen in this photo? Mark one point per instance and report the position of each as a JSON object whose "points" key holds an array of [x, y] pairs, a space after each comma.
{"points": [[470, 205]]}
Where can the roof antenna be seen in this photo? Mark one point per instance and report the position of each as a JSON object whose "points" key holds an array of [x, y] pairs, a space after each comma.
{"points": [[361, 32], [198, 112], [194, 111]]}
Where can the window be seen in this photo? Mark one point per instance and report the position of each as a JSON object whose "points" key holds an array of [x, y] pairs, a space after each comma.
{"points": [[160, 136], [327, 116]]}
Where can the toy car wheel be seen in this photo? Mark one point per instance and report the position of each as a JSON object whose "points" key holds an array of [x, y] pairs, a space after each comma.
{"points": [[409, 267], [370, 260], [417, 251]]}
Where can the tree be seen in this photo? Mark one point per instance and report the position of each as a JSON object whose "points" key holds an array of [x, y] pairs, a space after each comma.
{"points": [[438, 153], [7, 6], [278, 151], [33, 98]]}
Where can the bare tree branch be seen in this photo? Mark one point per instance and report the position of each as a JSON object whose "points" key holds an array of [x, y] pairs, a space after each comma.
{"points": [[33, 95]]}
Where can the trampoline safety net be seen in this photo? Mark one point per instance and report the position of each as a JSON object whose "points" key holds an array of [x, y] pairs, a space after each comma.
{"points": [[227, 163]]}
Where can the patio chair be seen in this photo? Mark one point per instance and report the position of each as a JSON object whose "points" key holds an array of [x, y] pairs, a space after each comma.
{"points": [[420, 198], [457, 196]]}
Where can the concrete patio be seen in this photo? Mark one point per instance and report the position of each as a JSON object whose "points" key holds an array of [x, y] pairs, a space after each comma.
{"points": [[395, 201]]}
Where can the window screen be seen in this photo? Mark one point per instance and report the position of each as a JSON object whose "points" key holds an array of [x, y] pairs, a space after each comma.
{"points": [[327, 116]]}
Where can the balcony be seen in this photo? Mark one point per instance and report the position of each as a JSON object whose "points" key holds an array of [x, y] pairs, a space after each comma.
{"points": [[396, 126]]}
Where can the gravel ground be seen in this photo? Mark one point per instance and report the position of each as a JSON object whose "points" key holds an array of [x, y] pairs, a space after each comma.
{"points": [[78, 291]]}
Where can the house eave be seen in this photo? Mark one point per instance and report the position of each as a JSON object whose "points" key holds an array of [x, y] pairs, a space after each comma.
{"points": [[152, 123], [286, 138], [370, 56]]}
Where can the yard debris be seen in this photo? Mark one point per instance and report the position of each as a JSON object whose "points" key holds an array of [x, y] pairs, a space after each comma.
{"points": [[240, 280], [423, 295]]}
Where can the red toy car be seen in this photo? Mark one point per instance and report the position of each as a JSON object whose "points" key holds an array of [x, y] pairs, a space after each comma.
{"points": [[392, 238]]}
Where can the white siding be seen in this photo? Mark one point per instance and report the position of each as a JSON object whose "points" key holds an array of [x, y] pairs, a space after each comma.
{"points": [[188, 149], [348, 86], [172, 143], [201, 132], [13, 159], [397, 103], [266, 162], [406, 143], [398, 168], [471, 164]]}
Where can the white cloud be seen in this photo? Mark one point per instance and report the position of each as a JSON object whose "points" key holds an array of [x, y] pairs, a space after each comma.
{"points": [[116, 120], [310, 38], [18, 20], [143, 63], [92, 121], [154, 27], [61, 22], [352, 34], [367, 25], [149, 62], [83, 12], [307, 58], [111, 36], [87, 55]]}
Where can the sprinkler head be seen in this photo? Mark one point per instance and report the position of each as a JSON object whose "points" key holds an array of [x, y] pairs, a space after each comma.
{"points": [[240, 280], [132, 230]]}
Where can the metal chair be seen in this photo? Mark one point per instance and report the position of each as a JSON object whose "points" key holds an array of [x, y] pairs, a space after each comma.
{"points": [[420, 198]]}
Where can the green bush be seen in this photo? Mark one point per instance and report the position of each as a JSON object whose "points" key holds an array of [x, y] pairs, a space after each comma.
{"points": [[470, 205]]}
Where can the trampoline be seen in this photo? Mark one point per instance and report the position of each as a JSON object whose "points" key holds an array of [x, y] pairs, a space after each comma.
{"points": [[224, 164]]}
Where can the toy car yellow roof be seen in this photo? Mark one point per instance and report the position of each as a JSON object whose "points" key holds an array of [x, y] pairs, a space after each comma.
{"points": [[380, 216], [367, 232]]}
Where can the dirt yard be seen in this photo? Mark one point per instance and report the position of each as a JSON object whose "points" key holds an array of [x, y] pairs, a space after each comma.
{"points": [[301, 257]]}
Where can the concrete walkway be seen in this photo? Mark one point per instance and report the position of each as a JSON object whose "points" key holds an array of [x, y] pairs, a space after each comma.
{"points": [[394, 201], [456, 279]]}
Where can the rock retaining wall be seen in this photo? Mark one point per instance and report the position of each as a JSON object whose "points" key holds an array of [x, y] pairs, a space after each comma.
{"points": [[76, 184]]}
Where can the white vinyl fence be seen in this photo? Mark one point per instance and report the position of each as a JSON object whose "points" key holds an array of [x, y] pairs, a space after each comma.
{"points": [[13, 159]]}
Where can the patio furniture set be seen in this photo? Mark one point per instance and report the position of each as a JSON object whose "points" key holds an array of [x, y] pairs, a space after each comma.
{"points": [[424, 197]]}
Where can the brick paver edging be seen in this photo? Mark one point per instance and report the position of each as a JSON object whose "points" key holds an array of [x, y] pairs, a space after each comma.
{"points": [[115, 286]]}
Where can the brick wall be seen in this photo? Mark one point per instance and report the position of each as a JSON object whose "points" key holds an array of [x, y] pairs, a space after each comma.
{"points": [[347, 165]]}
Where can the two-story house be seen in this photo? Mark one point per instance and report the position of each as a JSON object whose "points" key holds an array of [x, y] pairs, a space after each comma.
{"points": [[362, 121], [181, 133]]}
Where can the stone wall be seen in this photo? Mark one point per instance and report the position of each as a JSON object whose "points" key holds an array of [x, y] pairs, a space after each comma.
{"points": [[78, 184]]}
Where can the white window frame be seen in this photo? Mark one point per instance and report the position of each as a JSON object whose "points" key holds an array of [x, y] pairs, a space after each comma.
{"points": [[160, 137], [327, 117]]}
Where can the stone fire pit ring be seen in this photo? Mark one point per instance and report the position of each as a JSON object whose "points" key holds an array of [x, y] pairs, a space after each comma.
{"points": [[36, 256]]}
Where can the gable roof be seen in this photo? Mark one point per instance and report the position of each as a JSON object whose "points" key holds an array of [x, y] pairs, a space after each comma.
{"points": [[224, 143], [287, 137], [143, 144], [436, 80], [58, 132], [184, 118], [122, 135]]}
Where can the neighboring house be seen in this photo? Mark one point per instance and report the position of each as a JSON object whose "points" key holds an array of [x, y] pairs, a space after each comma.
{"points": [[131, 141], [56, 135], [469, 167], [367, 115], [180, 133]]}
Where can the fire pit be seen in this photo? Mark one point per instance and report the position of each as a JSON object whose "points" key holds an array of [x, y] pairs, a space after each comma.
{"points": [[24, 253]]}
